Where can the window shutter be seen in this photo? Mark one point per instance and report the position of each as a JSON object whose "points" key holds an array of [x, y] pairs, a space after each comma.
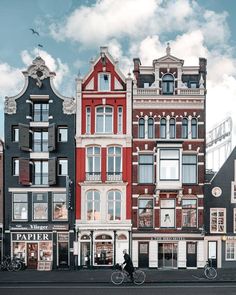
{"points": [[51, 137], [24, 137], [24, 172], [52, 171]]}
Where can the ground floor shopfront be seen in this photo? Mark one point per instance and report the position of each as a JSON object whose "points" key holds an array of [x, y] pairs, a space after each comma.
{"points": [[168, 252]]}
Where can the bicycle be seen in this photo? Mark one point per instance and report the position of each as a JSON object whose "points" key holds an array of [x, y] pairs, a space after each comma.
{"points": [[120, 275], [209, 271]]}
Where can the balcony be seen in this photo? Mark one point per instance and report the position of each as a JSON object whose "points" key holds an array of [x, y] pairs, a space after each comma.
{"points": [[93, 176], [150, 92], [114, 176]]}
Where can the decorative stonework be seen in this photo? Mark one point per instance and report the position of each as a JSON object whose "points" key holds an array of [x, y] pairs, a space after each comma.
{"points": [[38, 71], [10, 105], [69, 106]]}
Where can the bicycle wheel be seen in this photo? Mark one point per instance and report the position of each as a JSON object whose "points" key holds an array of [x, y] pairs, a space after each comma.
{"points": [[10, 266], [139, 277], [117, 277], [210, 273]]}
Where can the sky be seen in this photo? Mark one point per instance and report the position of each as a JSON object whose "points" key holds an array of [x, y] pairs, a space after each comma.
{"points": [[72, 31]]}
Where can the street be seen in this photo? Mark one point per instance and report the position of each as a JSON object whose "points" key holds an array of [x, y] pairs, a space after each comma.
{"points": [[105, 289]]}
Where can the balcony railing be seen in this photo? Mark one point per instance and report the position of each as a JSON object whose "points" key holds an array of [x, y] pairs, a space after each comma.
{"points": [[93, 176], [157, 91], [114, 176]]}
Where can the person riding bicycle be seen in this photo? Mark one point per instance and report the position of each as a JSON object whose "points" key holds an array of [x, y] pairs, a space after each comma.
{"points": [[128, 264]]}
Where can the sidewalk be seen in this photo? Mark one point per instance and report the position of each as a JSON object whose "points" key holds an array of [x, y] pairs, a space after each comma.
{"points": [[101, 276]]}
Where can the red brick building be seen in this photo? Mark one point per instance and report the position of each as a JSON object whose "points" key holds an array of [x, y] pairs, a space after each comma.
{"points": [[103, 163], [168, 162]]}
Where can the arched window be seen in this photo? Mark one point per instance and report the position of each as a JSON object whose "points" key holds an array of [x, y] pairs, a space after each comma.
{"points": [[194, 127], [114, 163], [168, 84], [150, 128], [93, 169], [104, 119], [93, 205], [185, 128], [163, 128], [172, 128], [114, 205], [141, 128]]}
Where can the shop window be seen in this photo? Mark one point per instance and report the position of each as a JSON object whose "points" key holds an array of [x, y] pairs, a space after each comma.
{"points": [[62, 134], [15, 167], [189, 213], [230, 250], [150, 128], [93, 205], [88, 120], [104, 119], [104, 81], [114, 206], [145, 169], [172, 128], [145, 213], [114, 164], [163, 128], [93, 170], [63, 167], [103, 250], [60, 211], [40, 206], [217, 220], [20, 207], [189, 169], [167, 213], [45, 251], [19, 250], [194, 128], [185, 128], [168, 84], [120, 120], [40, 112], [169, 164], [141, 128]]}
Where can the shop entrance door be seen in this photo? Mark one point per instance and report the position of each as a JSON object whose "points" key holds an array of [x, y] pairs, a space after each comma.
{"points": [[212, 252], [63, 254], [167, 255], [85, 254], [32, 255], [191, 254], [143, 254]]}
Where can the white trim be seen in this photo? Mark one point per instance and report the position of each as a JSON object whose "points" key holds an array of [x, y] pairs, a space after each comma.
{"points": [[36, 189], [39, 97], [218, 210]]}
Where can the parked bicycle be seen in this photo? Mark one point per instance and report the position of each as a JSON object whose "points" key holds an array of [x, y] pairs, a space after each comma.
{"points": [[209, 271], [120, 275], [14, 264]]}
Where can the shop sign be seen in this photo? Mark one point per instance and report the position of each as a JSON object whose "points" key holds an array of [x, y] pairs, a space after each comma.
{"points": [[168, 239], [63, 237], [39, 227], [32, 237], [230, 238]]}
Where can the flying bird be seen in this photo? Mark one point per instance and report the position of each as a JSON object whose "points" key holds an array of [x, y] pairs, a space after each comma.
{"points": [[34, 32], [40, 45]]}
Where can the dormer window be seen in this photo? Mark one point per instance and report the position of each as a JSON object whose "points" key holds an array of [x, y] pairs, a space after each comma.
{"points": [[168, 84], [104, 82]]}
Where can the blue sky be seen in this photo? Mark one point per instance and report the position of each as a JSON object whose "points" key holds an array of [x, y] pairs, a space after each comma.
{"points": [[71, 32]]}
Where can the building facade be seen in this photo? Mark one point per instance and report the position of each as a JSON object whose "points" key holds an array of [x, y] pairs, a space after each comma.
{"points": [[1, 195], [168, 163], [39, 171], [103, 163], [220, 215]]}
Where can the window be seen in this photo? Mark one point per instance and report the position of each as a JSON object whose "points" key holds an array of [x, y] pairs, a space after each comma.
{"points": [[150, 128], [141, 128], [20, 207], [193, 84], [93, 163], [62, 134], [15, 167], [145, 85], [217, 220], [172, 128], [168, 84], [120, 119], [88, 120], [40, 206], [167, 213], [189, 213], [169, 164], [93, 205], [163, 128], [234, 221], [41, 112], [15, 134], [40, 141], [114, 205], [185, 128], [40, 172], [104, 120], [145, 213], [145, 168], [104, 82], [63, 167], [189, 172], [230, 250], [194, 127], [114, 163], [59, 208]]}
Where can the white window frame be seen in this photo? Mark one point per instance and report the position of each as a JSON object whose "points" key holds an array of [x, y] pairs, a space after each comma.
{"points": [[114, 202], [226, 244], [59, 202], [114, 155], [93, 156], [33, 218], [93, 202], [190, 164], [104, 119], [192, 128], [168, 208], [88, 120], [61, 164], [218, 210], [233, 192], [146, 164], [13, 207], [15, 167], [58, 135], [170, 159], [109, 79], [120, 120]]}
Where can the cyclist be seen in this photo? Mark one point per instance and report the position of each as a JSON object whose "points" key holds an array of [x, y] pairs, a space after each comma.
{"points": [[128, 264]]}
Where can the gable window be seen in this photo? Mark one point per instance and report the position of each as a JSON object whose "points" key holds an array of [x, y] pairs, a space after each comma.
{"points": [[114, 163], [194, 127], [145, 213], [62, 134], [15, 167], [218, 220], [41, 112], [189, 169], [168, 84], [93, 205], [120, 120], [88, 120], [40, 206], [20, 207], [141, 128], [63, 167], [230, 253], [189, 213], [163, 128], [104, 120], [150, 128], [60, 211], [104, 81], [40, 141], [172, 128], [185, 128], [169, 164], [167, 216], [146, 169], [114, 205], [40, 172], [15, 134], [93, 163]]}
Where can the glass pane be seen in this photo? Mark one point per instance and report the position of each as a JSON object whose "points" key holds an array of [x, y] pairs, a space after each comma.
{"points": [[167, 203], [146, 159], [104, 80], [110, 164], [189, 159], [118, 211], [169, 170], [118, 196], [20, 197], [99, 123], [97, 151], [169, 154], [97, 164], [118, 164], [108, 110], [20, 211], [60, 211], [40, 211], [59, 197], [167, 217], [108, 123]]}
